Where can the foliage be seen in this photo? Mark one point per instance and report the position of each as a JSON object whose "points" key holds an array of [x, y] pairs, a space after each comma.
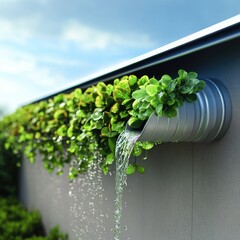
{"points": [[16, 223], [54, 234], [8, 169], [73, 126]]}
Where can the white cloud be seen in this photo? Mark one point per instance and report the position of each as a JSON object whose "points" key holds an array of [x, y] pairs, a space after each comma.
{"points": [[20, 65], [61, 61], [22, 79], [91, 38], [24, 29], [18, 31], [15, 93]]}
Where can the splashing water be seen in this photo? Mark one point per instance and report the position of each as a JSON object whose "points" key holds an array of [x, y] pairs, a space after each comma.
{"points": [[86, 196], [124, 146]]}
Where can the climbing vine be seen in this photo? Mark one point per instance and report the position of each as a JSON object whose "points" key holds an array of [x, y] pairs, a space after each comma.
{"points": [[73, 126]]}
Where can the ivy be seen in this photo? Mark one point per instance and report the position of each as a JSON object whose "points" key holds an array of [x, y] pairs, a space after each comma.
{"points": [[73, 126]]}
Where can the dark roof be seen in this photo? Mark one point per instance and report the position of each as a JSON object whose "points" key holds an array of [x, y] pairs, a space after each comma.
{"points": [[216, 34]]}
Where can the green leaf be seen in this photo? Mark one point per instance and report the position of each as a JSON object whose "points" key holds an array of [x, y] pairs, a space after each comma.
{"points": [[112, 144], [105, 169], [159, 110], [147, 145], [80, 114], [146, 114], [192, 75], [109, 159], [99, 102], [132, 80], [73, 173], [126, 101], [182, 74], [115, 108], [171, 87], [144, 106], [59, 98], [70, 131], [201, 85], [99, 124], [98, 114], [139, 94], [62, 131], [7, 145], [113, 134], [170, 112], [185, 89], [134, 122], [140, 169], [136, 104], [122, 91], [137, 150], [78, 93], [163, 97], [118, 127], [191, 97], [155, 101], [59, 113], [71, 149], [70, 103], [130, 169], [152, 90], [109, 89], [144, 79], [101, 87], [171, 101], [123, 114], [116, 82], [154, 81], [165, 80], [105, 131], [37, 135]]}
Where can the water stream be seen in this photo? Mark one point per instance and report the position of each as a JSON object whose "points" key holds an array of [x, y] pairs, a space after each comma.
{"points": [[86, 203], [124, 146]]}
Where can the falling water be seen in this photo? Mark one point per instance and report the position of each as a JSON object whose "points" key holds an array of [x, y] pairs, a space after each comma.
{"points": [[124, 146], [86, 197]]}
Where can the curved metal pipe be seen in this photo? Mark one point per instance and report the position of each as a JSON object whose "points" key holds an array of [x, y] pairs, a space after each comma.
{"points": [[205, 120]]}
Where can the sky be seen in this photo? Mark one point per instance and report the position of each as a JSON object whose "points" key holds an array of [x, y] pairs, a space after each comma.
{"points": [[47, 44]]}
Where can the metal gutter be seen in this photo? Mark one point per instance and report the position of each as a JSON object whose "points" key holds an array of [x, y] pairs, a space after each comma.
{"points": [[211, 36]]}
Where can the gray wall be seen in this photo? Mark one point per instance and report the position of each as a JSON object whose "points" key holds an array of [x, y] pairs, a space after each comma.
{"points": [[190, 191]]}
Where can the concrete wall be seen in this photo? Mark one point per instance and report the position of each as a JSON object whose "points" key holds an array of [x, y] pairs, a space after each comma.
{"points": [[189, 192]]}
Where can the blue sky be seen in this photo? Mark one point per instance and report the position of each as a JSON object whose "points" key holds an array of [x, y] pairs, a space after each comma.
{"points": [[46, 44]]}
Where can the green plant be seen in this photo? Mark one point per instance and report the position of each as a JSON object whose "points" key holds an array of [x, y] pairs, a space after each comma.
{"points": [[8, 169], [163, 97], [73, 126], [54, 234], [16, 223]]}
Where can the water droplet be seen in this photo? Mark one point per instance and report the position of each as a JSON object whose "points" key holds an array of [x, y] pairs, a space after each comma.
{"points": [[87, 197]]}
